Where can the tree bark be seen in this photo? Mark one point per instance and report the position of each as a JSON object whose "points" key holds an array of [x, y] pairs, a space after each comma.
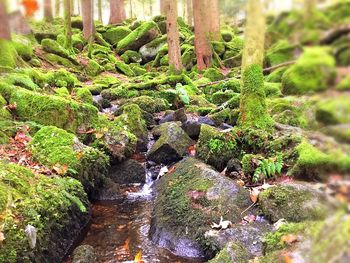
{"points": [[150, 2], [5, 32], [117, 11], [67, 24], [253, 111], [57, 8], [214, 20], [99, 8], [201, 41], [253, 52], [163, 8], [309, 9], [88, 19], [174, 50], [189, 8], [48, 10]]}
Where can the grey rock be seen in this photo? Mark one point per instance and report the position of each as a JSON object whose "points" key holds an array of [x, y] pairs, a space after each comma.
{"points": [[128, 172], [84, 254]]}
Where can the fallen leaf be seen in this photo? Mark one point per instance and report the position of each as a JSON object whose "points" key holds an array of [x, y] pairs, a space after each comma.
{"points": [[2, 237], [192, 150], [138, 257], [240, 182], [223, 224], [290, 239], [99, 135], [254, 194], [287, 258]]}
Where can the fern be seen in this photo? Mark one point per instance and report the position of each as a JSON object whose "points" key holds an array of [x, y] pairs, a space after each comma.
{"points": [[268, 168]]}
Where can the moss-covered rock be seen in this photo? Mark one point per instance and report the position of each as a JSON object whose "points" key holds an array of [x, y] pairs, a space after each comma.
{"points": [[53, 110], [55, 147], [216, 147], [143, 34], [172, 144], [313, 72], [8, 57], [220, 97], [280, 52], [62, 92], [276, 75], [115, 34], [93, 68], [83, 95], [230, 84], [23, 47], [188, 199], [150, 50], [344, 84], [133, 56], [233, 252], [51, 46], [272, 89], [56, 207], [149, 104], [333, 111], [124, 68], [213, 74], [294, 203], [22, 80]]}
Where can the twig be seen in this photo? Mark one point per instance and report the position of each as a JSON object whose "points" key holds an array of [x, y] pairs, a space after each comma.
{"points": [[270, 69]]}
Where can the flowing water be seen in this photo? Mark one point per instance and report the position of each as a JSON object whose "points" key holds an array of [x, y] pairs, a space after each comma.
{"points": [[119, 229]]}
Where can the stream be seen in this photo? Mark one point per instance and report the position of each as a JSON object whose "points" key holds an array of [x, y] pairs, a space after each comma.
{"points": [[119, 229]]}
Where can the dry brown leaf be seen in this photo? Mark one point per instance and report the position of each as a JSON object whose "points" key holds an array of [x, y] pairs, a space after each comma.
{"points": [[290, 239], [254, 194]]}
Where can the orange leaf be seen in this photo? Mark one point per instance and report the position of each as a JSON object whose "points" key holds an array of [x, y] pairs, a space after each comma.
{"points": [[254, 194], [289, 239], [138, 258], [287, 259]]}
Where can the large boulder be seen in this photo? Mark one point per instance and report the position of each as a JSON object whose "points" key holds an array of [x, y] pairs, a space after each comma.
{"points": [[332, 111], [53, 110], [314, 71], [143, 34], [216, 147], [63, 152], [115, 34], [128, 172], [151, 49], [294, 202], [189, 199], [171, 146], [44, 214]]}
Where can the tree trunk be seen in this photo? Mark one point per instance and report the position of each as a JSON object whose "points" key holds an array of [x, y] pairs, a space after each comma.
{"points": [[131, 9], [48, 16], [150, 8], [174, 52], [309, 9], [57, 8], [214, 18], [72, 7], [201, 42], [163, 8], [253, 111], [5, 32], [88, 19], [67, 24], [189, 12], [117, 11], [99, 8]]}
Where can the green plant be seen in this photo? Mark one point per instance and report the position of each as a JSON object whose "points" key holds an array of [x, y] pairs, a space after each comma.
{"points": [[182, 94], [268, 168]]}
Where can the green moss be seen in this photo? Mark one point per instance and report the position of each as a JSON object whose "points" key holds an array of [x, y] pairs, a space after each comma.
{"points": [[272, 89], [57, 60], [213, 74], [276, 75], [314, 71], [132, 118], [22, 80], [133, 56], [222, 96], [124, 68], [149, 104], [253, 111], [8, 54], [83, 95], [62, 92], [344, 84], [47, 203], [115, 34], [23, 47], [227, 116], [333, 111], [232, 252], [219, 47], [273, 241], [281, 51], [230, 84], [135, 35], [294, 203], [51, 46], [93, 68], [216, 147], [61, 78], [137, 69], [56, 147], [53, 110]]}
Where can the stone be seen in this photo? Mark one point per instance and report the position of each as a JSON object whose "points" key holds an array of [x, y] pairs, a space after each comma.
{"points": [[188, 200], [294, 202], [84, 254], [172, 144], [128, 172], [192, 128]]}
